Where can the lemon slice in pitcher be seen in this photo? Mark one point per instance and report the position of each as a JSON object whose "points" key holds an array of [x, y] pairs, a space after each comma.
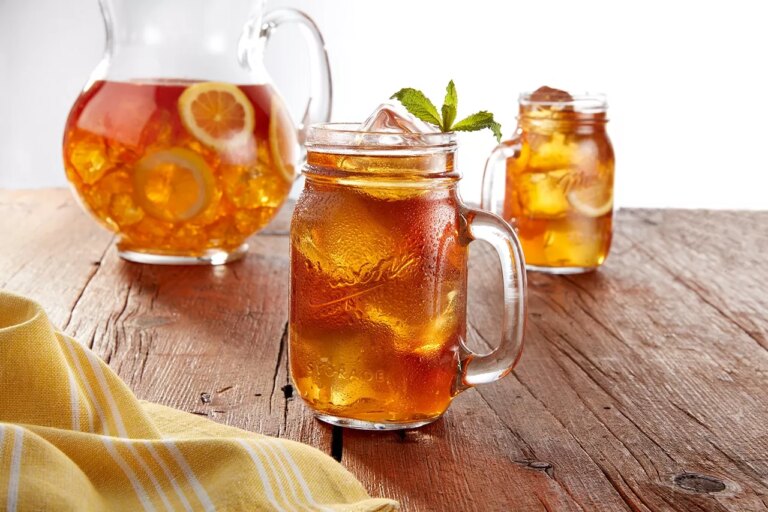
{"points": [[173, 185], [218, 114], [593, 201]]}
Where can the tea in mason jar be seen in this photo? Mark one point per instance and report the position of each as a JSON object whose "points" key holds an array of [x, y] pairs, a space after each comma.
{"points": [[559, 185], [177, 167], [379, 247], [382, 309]]}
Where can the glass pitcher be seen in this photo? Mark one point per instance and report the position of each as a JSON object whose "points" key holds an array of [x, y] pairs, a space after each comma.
{"points": [[179, 143]]}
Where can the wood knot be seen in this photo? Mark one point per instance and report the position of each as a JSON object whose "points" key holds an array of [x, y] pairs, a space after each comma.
{"points": [[696, 482], [287, 391]]}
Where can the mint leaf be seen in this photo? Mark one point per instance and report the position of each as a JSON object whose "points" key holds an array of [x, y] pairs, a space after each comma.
{"points": [[479, 121], [449, 107], [419, 105]]}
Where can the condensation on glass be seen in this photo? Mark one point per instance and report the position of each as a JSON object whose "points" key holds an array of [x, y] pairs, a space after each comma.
{"points": [[379, 247]]}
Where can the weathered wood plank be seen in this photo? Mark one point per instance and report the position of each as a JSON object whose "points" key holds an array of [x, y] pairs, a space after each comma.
{"points": [[206, 340], [49, 248], [497, 452], [468, 460], [631, 380], [641, 388], [634, 362]]}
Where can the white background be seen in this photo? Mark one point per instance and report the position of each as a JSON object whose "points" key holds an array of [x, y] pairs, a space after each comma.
{"points": [[686, 81]]}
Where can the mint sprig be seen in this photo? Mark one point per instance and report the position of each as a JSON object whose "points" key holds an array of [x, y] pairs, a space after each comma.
{"points": [[417, 103]]}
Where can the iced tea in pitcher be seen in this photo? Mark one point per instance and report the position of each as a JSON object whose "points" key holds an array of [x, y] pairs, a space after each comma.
{"points": [[558, 181], [179, 144], [379, 242], [180, 167]]}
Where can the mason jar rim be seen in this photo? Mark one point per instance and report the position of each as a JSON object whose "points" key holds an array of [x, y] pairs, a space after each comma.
{"points": [[586, 102], [349, 138]]}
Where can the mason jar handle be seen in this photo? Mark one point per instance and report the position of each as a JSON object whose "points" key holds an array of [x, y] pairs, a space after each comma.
{"points": [[318, 109], [482, 369], [492, 196]]}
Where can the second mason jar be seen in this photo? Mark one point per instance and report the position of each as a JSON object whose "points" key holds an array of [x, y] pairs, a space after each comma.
{"points": [[554, 181]]}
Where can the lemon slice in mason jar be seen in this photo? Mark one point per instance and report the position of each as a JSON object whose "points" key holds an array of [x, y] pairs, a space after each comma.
{"points": [[593, 201], [280, 144], [173, 185], [218, 114]]}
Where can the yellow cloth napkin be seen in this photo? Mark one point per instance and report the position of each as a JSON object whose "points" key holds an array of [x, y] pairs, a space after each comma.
{"points": [[74, 437]]}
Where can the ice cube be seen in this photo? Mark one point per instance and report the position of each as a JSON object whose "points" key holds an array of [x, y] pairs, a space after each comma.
{"points": [[557, 152], [548, 100], [89, 157], [550, 94], [393, 118], [543, 194], [124, 210]]}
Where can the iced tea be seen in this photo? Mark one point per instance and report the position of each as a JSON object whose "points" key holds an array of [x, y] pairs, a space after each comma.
{"points": [[559, 187], [379, 290], [180, 168], [379, 247]]}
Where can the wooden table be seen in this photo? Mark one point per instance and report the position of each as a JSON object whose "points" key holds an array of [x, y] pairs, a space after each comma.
{"points": [[642, 387]]}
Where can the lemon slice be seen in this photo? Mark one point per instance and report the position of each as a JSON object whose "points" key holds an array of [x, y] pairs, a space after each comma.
{"points": [[218, 114], [173, 185], [593, 201], [280, 146]]}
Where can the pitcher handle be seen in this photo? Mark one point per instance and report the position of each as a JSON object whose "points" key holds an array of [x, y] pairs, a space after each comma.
{"points": [[318, 109], [482, 369], [492, 197]]}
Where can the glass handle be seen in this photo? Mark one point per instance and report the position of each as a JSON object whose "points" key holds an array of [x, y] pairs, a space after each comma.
{"points": [[481, 369], [492, 198], [318, 109]]}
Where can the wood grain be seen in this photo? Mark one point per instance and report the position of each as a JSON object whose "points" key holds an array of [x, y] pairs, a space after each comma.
{"points": [[643, 372], [642, 386], [46, 238]]}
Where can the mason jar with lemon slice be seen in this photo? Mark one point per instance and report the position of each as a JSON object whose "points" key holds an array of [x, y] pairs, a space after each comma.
{"points": [[554, 181], [179, 143]]}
